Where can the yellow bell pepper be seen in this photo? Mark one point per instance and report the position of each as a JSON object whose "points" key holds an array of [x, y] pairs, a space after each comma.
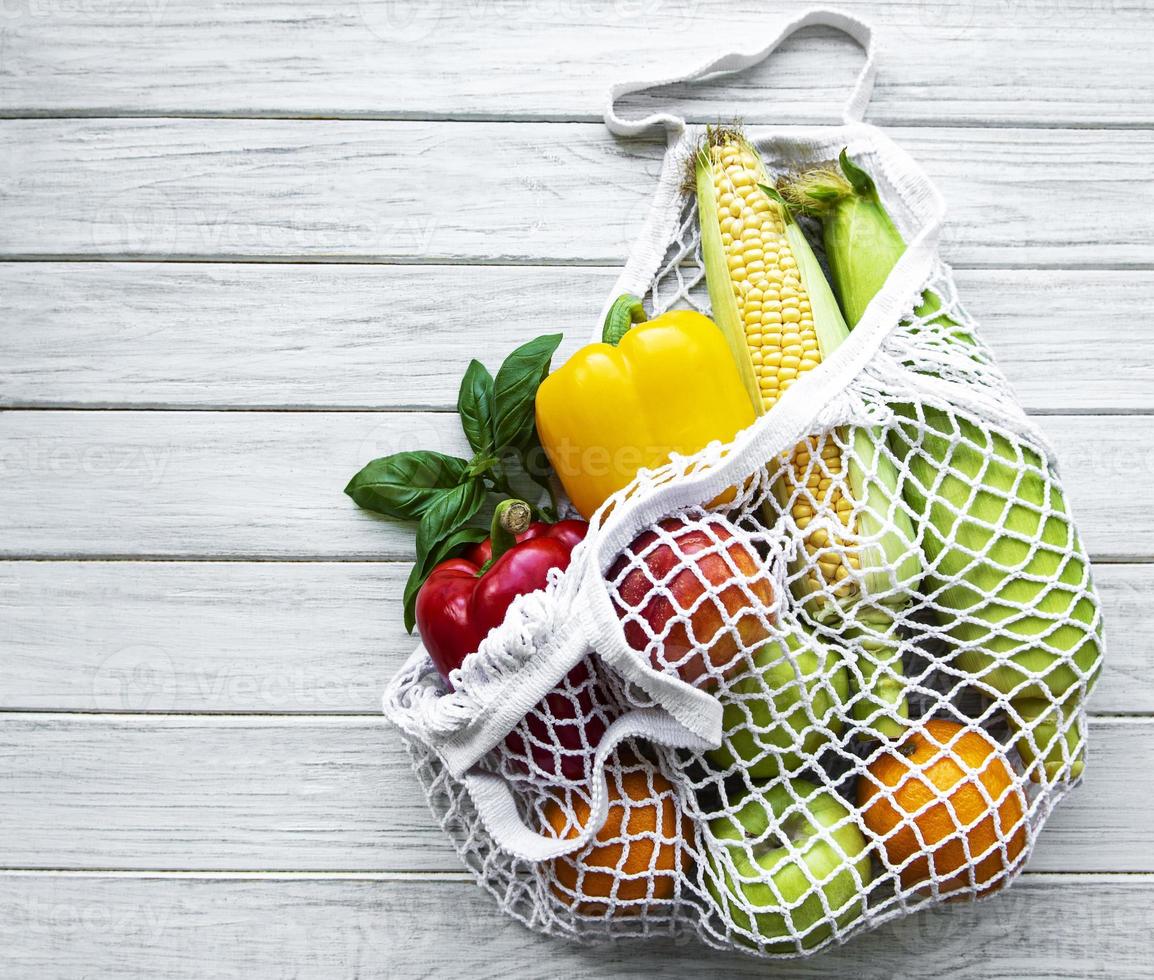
{"points": [[668, 385]]}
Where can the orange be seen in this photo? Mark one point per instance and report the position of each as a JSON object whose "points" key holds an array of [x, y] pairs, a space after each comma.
{"points": [[634, 855], [978, 807]]}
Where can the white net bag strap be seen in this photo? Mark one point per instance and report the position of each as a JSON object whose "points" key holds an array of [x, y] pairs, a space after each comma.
{"points": [[665, 211]]}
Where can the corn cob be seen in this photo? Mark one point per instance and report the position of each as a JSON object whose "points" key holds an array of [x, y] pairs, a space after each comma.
{"points": [[1021, 618], [771, 300]]}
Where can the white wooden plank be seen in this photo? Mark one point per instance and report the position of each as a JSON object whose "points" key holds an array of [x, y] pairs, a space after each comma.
{"points": [[343, 336], [942, 60], [1125, 592], [233, 793], [200, 636], [368, 336], [1044, 326], [304, 637], [321, 189], [197, 792], [188, 928], [500, 192], [243, 484], [204, 484]]}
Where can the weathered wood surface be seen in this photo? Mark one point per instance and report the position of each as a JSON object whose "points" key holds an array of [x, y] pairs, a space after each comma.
{"points": [[244, 484], [335, 336], [983, 61], [308, 637], [179, 927], [220, 714], [493, 192], [190, 792]]}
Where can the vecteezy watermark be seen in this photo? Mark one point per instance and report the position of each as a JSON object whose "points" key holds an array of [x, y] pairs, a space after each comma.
{"points": [[147, 224], [402, 21], [633, 221], [45, 458], [409, 236], [431, 432], [925, 20], [150, 10], [1104, 465], [304, 230], [1067, 11], [135, 678], [944, 19], [233, 688], [140, 222], [144, 677], [532, 201], [951, 20], [411, 21], [593, 460], [59, 920], [933, 926]]}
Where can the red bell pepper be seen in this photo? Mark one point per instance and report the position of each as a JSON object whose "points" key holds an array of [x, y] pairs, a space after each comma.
{"points": [[569, 533], [464, 598]]}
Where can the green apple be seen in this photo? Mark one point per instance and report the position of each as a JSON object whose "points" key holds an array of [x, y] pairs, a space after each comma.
{"points": [[787, 705], [776, 857]]}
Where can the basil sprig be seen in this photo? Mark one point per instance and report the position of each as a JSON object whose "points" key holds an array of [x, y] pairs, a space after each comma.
{"points": [[444, 494]]}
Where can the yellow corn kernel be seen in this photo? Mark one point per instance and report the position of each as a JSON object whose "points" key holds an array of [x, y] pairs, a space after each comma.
{"points": [[777, 327]]}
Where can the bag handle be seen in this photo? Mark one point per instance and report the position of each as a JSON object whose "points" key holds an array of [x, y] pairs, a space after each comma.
{"points": [[497, 807], [735, 61], [664, 213]]}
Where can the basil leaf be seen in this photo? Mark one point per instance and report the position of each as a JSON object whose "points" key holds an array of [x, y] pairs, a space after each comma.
{"points": [[405, 484], [449, 511], [515, 390], [475, 406], [423, 569]]}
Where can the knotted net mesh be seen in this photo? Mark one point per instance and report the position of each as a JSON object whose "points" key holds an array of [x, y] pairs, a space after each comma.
{"points": [[897, 619]]}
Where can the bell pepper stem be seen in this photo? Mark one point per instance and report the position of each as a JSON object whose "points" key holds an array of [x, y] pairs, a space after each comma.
{"points": [[510, 518], [626, 310]]}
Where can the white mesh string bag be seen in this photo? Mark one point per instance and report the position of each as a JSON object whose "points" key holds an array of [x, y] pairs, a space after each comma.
{"points": [[677, 736]]}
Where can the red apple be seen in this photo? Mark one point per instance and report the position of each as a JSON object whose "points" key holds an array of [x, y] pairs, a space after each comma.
{"points": [[695, 598]]}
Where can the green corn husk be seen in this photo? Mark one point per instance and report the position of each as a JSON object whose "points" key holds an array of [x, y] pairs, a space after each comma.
{"points": [[881, 541], [890, 561], [1004, 601]]}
